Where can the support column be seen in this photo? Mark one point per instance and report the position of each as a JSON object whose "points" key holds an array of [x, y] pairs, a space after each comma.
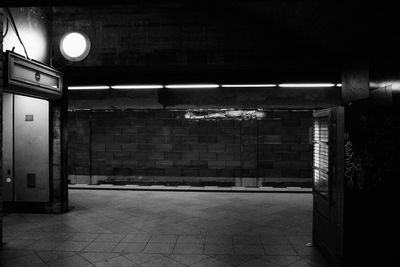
{"points": [[59, 181]]}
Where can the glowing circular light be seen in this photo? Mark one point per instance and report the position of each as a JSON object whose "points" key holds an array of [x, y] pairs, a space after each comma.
{"points": [[75, 46]]}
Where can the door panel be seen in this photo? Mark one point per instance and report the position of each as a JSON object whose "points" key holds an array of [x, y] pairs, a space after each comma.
{"points": [[8, 179], [328, 188], [31, 149]]}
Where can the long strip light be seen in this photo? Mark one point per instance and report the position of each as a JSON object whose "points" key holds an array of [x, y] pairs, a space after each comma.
{"points": [[137, 86], [305, 85], [247, 85], [187, 86], [92, 87], [199, 86]]}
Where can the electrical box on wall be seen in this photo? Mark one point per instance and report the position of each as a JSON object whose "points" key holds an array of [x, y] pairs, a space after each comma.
{"points": [[32, 78]]}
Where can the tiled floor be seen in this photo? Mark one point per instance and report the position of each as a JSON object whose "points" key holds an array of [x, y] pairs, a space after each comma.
{"points": [[145, 228]]}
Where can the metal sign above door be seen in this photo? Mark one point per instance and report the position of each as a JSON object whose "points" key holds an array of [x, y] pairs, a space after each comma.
{"points": [[32, 78]]}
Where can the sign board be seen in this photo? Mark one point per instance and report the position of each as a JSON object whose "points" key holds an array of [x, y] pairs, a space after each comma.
{"points": [[31, 78]]}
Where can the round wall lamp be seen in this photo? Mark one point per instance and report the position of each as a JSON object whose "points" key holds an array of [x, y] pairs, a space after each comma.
{"points": [[75, 46]]}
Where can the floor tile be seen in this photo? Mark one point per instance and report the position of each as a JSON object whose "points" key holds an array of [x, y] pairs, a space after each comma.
{"points": [[199, 239], [71, 246], [159, 248], [188, 259], [58, 237], [217, 249], [211, 262], [44, 245], [94, 257], [302, 263], [274, 239], [189, 248], [32, 235], [47, 256], [163, 238], [18, 243], [139, 258], [215, 239], [84, 237], [11, 254], [259, 263], [136, 237], [235, 260], [130, 247], [279, 249], [246, 240], [283, 260], [100, 247], [115, 238], [74, 261], [162, 262], [113, 262], [26, 260], [249, 249]]}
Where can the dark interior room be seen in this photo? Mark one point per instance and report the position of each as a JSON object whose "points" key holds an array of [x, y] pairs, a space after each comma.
{"points": [[198, 133]]}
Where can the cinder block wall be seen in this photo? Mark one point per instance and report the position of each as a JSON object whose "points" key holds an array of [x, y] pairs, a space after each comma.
{"points": [[166, 146]]}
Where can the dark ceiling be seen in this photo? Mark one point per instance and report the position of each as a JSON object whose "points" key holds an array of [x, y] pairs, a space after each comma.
{"points": [[336, 27], [339, 28]]}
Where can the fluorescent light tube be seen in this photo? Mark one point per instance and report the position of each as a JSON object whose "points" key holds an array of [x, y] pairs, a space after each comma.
{"points": [[306, 85], [247, 85], [136, 86], [339, 85], [184, 86], [94, 87]]}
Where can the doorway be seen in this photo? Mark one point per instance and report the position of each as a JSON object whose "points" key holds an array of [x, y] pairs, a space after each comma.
{"points": [[328, 189]]}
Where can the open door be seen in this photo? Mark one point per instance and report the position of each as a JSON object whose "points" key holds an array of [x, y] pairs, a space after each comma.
{"points": [[328, 190]]}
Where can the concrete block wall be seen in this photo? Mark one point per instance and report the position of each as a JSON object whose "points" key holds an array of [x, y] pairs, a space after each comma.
{"points": [[132, 144], [284, 148]]}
